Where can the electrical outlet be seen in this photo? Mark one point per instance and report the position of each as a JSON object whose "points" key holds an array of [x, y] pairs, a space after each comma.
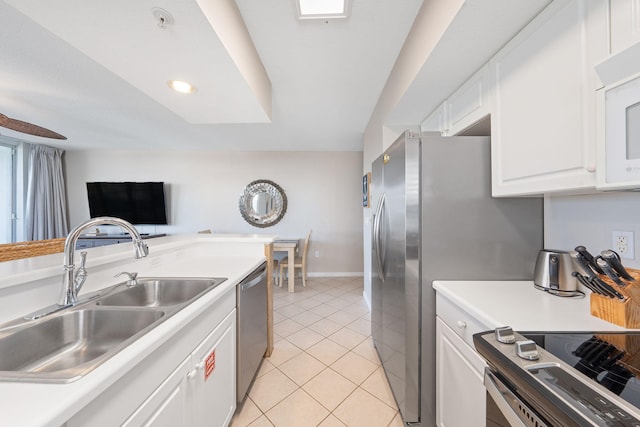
{"points": [[317, 254], [622, 242]]}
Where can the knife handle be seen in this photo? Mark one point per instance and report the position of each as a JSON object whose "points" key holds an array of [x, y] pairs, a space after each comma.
{"points": [[582, 263], [611, 274], [589, 258], [614, 261]]}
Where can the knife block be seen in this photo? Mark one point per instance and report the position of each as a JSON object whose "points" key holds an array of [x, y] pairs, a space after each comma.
{"points": [[622, 313]]}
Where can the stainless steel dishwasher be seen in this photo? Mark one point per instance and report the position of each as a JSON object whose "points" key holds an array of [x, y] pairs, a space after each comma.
{"points": [[252, 328]]}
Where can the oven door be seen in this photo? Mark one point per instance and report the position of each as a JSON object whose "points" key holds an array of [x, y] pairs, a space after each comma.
{"points": [[505, 408]]}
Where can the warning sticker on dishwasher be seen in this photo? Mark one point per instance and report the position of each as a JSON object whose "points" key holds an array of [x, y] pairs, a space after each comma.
{"points": [[209, 364]]}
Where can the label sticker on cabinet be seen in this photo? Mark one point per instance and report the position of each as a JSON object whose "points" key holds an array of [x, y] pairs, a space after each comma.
{"points": [[209, 364]]}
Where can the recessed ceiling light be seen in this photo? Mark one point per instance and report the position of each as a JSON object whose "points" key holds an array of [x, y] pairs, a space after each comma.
{"points": [[180, 86], [322, 9]]}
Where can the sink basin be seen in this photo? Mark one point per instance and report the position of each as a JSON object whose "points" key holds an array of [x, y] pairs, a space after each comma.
{"points": [[67, 346], [64, 344], [160, 292]]}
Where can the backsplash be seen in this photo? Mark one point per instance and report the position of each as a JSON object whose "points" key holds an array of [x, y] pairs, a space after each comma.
{"points": [[589, 220]]}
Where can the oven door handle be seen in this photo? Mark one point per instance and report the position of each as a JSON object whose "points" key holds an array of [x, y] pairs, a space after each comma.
{"points": [[501, 395]]}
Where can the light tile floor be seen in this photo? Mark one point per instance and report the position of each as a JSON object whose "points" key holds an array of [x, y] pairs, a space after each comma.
{"points": [[324, 370]]}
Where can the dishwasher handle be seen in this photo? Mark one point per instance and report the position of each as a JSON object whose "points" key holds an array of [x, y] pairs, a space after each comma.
{"points": [[254, 278]]}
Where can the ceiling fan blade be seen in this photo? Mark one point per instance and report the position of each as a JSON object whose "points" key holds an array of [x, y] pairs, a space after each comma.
{"points": [[25, 127]]}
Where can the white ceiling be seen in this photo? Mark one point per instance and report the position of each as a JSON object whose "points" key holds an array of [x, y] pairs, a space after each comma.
{"points": [[109, 89]]}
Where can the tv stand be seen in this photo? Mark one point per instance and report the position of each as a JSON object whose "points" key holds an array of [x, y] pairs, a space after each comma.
{"points": [[89, 241]]}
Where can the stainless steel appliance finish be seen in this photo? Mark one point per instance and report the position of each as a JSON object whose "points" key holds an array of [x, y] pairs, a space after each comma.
{"points": [[434, 219], [505, 408], [579, 379], [252, 328], [65, 345], [553, 273]]}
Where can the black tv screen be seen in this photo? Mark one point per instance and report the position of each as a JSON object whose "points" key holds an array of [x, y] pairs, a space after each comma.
{"points": [[137, 202]]}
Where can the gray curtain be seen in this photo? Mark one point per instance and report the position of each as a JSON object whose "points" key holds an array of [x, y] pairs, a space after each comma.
{"points": [[46, 207]]}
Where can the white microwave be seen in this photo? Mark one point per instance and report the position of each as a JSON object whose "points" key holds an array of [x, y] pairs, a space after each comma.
{"points": [[619, 124]]}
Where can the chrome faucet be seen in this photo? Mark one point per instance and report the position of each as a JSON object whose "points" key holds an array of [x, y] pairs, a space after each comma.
{"points": [[73, 280]]}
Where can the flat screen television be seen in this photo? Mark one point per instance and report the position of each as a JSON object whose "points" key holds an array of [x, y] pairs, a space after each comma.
{"points": [[140, 203]]}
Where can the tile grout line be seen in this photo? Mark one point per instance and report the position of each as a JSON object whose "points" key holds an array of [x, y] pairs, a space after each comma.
{"points": [[350, 296]]}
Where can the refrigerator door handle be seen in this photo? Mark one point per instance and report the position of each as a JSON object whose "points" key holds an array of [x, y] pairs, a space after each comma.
{"points": [[377, 239]]}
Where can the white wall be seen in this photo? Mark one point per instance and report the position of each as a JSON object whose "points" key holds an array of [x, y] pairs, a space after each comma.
{"points": [[588, 220], [324, 192], [433, 18]]}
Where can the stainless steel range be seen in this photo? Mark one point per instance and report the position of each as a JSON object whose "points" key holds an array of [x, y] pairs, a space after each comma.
{"points": [[561, 378]]}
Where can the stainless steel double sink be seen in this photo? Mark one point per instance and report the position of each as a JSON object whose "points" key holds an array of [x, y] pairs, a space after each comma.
{"points": [[64, 346]]}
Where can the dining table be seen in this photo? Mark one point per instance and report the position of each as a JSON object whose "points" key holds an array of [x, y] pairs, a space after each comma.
{"points": [[289, 246]]}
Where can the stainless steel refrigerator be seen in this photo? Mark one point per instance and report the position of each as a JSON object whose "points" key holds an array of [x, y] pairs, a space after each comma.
{"points": [[434, 219]]}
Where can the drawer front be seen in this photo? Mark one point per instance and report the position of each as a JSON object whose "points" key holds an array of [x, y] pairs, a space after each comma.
{"points": [[462, 323]]}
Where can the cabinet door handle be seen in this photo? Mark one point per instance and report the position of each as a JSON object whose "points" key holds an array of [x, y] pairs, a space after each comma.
{"points": [[461, 324], [200, 366], [192, 374]]}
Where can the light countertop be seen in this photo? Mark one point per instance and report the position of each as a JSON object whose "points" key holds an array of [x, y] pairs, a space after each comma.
{"points": [[36, 404], [29, 269], [519, 305]]}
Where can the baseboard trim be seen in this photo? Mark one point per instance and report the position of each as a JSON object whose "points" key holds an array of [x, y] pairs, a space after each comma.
{"points": [[335, 274]]}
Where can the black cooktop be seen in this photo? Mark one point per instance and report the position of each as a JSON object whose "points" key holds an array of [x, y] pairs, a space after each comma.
{"points": [[611, 359]]}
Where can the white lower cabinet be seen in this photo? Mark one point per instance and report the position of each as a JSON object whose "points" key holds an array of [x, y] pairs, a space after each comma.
{"points": [[188, 381], [168, 405], [201, 392], [214, 376], [460, 392]]}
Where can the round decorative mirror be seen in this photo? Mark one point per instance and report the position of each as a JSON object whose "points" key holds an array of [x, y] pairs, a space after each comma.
{"points": [[263, 203]]}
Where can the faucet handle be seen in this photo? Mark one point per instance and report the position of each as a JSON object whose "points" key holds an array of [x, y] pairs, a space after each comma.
{"points": [[83, 261], [132, 277], [81, 274]]}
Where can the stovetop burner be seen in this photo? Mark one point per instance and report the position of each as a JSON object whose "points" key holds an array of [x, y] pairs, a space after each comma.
{"points": [[610, 359], [567, 378]]}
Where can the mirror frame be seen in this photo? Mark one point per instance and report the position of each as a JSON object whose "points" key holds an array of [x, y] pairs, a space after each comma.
{"points": [[261, 186]]}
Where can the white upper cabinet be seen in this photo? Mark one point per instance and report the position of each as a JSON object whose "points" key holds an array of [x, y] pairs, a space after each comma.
{"points": [[543, 108], [465, 107], [469, 104], [625, 24], [435, 122]]}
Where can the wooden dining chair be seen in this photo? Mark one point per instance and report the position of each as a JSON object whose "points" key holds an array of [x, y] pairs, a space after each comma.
{"points": [[299, 262]]}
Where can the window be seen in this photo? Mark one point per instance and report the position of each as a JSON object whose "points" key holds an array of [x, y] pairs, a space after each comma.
{"points": [[7, 192]]}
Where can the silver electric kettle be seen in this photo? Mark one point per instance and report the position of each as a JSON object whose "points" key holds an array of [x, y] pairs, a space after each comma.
{"points": [[553, 273]]}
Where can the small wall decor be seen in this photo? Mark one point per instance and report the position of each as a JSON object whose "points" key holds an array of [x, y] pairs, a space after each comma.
{"points": [[263, 203]]}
